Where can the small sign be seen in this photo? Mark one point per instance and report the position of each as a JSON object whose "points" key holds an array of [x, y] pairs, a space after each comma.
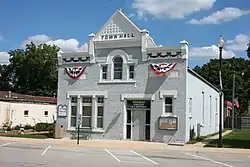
{"points": [[79, 119], [139, 104], [168, 123], [62, 110]]}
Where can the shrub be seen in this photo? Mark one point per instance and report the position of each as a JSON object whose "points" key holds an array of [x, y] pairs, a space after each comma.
{"points": [[39, 127], [27, 127], [17, 127]]}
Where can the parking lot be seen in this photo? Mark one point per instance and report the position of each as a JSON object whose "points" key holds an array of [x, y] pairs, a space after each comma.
{"points": [[16, 154]]}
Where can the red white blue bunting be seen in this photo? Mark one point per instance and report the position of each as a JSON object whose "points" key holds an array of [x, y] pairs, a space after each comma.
{"points": [[75, 72], [162, 68]]}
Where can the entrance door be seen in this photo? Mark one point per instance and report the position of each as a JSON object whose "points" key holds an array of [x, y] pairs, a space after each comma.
{"points": [[147, 125], [138, 120], [138, 124]]}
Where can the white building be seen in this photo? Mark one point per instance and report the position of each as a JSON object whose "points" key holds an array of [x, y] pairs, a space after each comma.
{"points": [[19, 109], [126, 87]]}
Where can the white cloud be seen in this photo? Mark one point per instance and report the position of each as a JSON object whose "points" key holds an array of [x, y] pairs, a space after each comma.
{"points": [[68, 45], [4, 58], [173, 9], [239, 43], [224, 15], [209, 52]]}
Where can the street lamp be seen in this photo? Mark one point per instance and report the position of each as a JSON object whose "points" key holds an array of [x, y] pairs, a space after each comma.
{"points": [[220, 45]]}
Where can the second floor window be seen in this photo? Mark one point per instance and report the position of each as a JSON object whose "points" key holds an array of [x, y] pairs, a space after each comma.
{"points": [[118, 62], [104, 72], [131, 72]]}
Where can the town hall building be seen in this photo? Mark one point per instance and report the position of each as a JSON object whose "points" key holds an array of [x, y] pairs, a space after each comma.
{"points": [[125, 87]]}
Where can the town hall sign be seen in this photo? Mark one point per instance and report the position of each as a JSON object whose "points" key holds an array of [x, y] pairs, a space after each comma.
{"points": [[117, 36]]}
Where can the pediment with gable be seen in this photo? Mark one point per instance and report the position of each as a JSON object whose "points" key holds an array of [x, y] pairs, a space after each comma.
{"points": [[118, 27]]}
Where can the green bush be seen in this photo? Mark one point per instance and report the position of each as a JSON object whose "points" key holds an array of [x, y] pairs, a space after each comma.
{"points": [[17, 127], [39, 127], [27, 127]]}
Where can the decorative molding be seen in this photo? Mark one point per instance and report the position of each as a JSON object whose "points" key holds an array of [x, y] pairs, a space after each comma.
{"points": [[86, 93], [121, 53], [117, 82], [137, 96], [73, 59], [163, 93], [164, 55]]}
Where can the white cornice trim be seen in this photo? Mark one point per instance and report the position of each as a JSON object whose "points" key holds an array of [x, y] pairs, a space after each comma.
{"points": [[137, 96], [163, 93], [86, 93]]}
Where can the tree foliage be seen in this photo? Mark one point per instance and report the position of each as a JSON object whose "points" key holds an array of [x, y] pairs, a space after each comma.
{"points": [[32, 70], [210, 72]]}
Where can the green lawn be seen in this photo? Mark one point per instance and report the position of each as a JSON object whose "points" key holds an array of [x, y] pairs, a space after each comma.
{"points": [[35, 136], [236, 139], [203, 138]]}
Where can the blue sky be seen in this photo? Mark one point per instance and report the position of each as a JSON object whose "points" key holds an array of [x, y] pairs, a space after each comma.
{"points": [[68, 23]]}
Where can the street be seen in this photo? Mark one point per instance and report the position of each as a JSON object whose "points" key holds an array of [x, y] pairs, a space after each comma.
{"points": [[18, 153]]}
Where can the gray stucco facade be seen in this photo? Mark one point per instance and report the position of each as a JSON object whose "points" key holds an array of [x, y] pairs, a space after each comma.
{"points": [[91, 74]]}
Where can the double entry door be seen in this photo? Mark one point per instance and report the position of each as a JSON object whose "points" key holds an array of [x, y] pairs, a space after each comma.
{"points": [[138, 124]]}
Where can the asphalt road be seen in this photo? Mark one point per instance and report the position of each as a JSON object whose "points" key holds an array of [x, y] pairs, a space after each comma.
{"points": [[23, 154]]}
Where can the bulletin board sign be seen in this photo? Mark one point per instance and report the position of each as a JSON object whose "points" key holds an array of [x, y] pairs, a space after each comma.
{"points": [[168, 123], [62, 110]]}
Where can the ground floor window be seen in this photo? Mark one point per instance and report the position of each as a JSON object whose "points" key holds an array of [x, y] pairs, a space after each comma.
{"points": [[73, 117], [168, 104], [91, 111], [100, 112]]}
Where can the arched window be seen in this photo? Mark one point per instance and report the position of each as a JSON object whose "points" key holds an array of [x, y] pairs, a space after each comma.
{"points": [[118, 62]]}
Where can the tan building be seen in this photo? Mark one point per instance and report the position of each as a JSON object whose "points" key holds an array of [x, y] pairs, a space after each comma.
{"points": [[20, 109]]}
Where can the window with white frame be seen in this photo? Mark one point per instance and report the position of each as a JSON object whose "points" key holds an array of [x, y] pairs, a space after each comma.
{"points": [[216, 105], [118, 65], [73, 116], [131, 71], [105, 72], [86, 111], [100, 111], [210, 107], [46, 113], [203, 108], [168, 104], [26, 113], [190, 106]]}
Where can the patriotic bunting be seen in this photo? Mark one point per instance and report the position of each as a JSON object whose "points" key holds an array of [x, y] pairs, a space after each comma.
{"points": [[75, 72], [162, 68]]}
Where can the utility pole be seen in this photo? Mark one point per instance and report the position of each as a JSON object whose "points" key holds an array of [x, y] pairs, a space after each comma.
{"points": [[233, 94]]}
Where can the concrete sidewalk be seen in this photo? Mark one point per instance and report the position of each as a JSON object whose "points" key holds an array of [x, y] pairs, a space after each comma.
{"points": [[206, 140], [121, 144]]}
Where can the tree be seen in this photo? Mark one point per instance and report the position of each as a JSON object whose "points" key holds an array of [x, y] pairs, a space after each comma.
{"points": [[247, 73], [4, 79], [210, 72], [33, 70]]}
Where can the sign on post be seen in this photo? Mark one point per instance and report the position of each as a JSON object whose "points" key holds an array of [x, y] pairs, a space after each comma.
{"points": [[79, 119]]}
